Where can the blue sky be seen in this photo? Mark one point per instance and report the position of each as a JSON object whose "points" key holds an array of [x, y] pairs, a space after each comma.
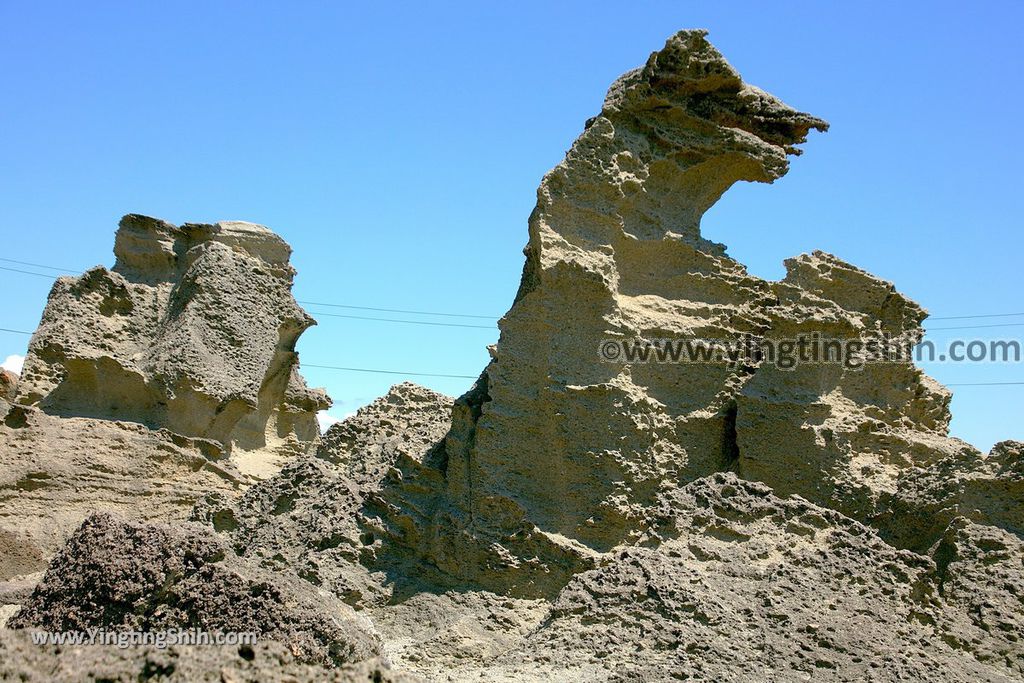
{"points": [[398, 149]]}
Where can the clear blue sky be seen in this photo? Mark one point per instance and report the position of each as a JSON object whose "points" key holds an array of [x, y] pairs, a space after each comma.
{"points": [[398, 149]]}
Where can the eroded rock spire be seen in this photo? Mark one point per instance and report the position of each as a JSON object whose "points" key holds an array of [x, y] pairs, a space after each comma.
{"points": [[557, 455]]}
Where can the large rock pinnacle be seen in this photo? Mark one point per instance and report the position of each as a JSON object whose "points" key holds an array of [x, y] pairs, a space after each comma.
{"points": [[193, 330]]}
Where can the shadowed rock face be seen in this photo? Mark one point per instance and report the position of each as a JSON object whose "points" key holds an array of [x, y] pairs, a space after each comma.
{"points": [[193, 330]]}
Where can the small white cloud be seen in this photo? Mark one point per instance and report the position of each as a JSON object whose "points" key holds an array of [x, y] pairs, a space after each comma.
{"points": [[13, 364], [326, 420]]}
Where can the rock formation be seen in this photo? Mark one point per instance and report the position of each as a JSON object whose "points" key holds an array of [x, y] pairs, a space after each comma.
{"points": [[166, 379], [572, 517], [58, 471], [119, 576], [8, 390], [193, 330], [320, 516], [556, 457], [734, 583]]}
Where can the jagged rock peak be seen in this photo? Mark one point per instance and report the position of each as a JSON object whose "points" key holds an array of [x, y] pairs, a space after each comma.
{"points": [[194, 330], [689, 78], [671, 137]]}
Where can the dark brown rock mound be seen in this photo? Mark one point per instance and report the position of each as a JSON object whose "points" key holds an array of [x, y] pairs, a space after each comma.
{"points": [[120, 576]]}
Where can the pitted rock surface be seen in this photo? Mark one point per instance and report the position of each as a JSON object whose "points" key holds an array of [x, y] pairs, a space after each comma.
{"points": [[122, 576], [556, 457], [568, 518], [193, 330]]}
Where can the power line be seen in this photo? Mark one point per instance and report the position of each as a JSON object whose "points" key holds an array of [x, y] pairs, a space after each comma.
{"points": [[332, 315], [386, 372], [40, 265], [25, 272], [400, 310], [967, 317], [984, 384], [408, 322], [4, 329], [310, 303]]}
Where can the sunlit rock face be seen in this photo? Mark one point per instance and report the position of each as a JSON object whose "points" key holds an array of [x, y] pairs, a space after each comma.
{"points": [[557, 455]]}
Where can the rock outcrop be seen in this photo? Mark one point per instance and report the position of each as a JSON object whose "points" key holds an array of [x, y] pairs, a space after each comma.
{"points": [[557, 455], [8, 390], [168, 378], [193, 330], [120, 576], [57, 471], [735, 583], [580, 514], [327, 517]]}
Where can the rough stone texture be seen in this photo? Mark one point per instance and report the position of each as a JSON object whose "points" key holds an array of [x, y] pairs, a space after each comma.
{"points": [[19, 555], [320, 516], [167, 378], [979, 579], [57, 471], [193, 330], [121, 576], [408, 421], [567, 518], [734, 583], [21, 660], [459, 635], [555, 457], [8, 390]]}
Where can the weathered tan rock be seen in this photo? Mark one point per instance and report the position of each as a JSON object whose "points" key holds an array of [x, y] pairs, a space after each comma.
{"points": [[327, 517], [569, 518], [556, 457], [57, 471], [8, 390], [193, 330], [151, 385], [735, 583]]}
